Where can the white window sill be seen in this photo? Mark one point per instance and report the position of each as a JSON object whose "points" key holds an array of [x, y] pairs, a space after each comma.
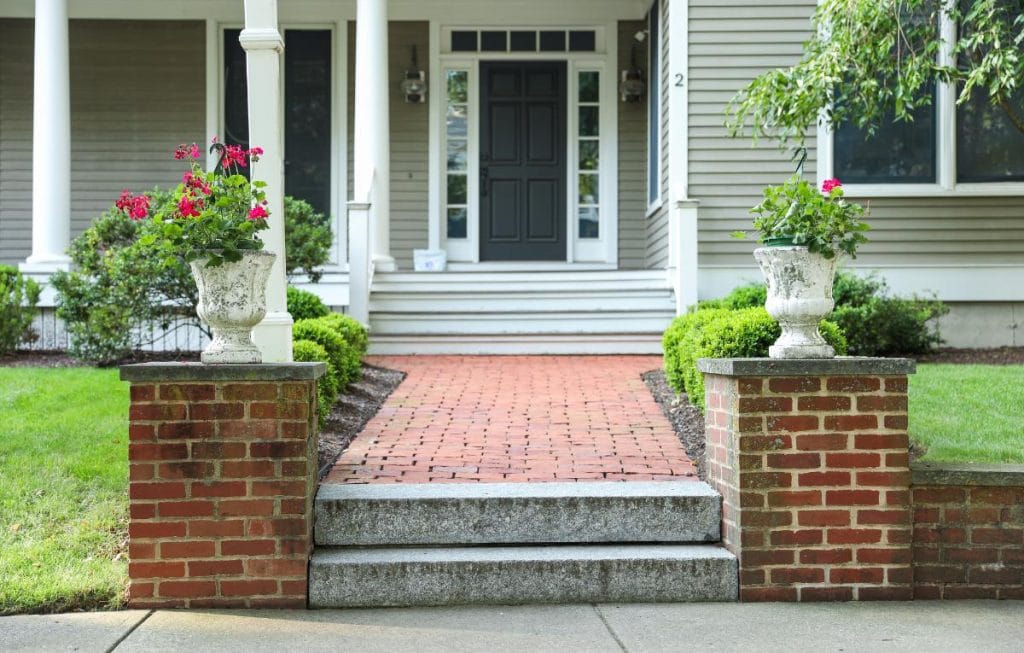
{"points": [[868, 191], [655, 207]]}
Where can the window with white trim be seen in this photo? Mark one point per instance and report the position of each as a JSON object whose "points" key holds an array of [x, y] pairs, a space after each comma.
{"points": [[457, 154], [654, 104], [588, 143], [945, 145]]}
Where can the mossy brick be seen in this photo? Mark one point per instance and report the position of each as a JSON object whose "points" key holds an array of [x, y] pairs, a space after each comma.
{"points": [[187, 392]]}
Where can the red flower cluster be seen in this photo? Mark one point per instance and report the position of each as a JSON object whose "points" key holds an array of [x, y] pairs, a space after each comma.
{"points": [[187, 152], [196, 183], [135, 206], [189, 207], [829, 184], [258, 212]]}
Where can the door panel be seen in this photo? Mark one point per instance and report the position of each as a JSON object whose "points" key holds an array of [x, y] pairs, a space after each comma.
{"points": [[522, 161]]}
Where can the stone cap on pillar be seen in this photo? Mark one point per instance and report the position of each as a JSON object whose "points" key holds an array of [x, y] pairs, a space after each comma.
{"points": [[839, 366], [163, 372]]}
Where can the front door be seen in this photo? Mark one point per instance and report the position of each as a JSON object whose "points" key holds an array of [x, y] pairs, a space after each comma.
{"points": [[522, 161]]}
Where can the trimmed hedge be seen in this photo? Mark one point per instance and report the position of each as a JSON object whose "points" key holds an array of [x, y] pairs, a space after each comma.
{"points": [[304, 305], [723, 333], [350, 329], [18, 298], [338, 351], [307, 351]]}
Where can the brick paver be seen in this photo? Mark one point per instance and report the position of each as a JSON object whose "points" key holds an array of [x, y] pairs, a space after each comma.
{"points": [[516, 418]]}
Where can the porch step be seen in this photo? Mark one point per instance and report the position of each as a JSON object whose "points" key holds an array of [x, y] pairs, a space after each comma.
{"points": [[341, 577], [521, 513], [622, 311]]}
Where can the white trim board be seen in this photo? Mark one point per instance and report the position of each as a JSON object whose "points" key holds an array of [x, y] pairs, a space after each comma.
{"points": [[968, 283]]}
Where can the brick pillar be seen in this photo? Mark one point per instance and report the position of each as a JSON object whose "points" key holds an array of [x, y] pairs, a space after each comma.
{"points": [[811, 459], [223, 465]]}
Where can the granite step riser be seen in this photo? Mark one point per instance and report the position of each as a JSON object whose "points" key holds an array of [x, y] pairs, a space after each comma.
{"points": [[478, 520], [518, 579]]}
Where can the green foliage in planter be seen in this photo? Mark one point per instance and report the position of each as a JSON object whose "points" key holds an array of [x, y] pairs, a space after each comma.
{"points": [[307, 351], [304, 305], [123, 283], [307, 236], [18, 298], [723, 333], [342, 355]]}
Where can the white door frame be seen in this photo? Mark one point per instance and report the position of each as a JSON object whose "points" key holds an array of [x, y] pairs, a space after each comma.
{"points": [[596, 252]]}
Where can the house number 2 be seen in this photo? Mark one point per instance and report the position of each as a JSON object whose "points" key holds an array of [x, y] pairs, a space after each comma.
{"points": [[679, 80]]}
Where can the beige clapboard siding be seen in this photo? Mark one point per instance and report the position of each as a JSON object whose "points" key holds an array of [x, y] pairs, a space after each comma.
{"points": [[656, 236], [632, 162], [137, 90], [409, 139], [15, 140], [731, 41]]}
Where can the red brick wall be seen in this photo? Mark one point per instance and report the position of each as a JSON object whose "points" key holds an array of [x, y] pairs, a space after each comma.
{"points": [[813, 471], [968, 542], [222, 482]]}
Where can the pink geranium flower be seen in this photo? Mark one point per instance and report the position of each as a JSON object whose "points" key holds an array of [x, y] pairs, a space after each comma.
{"points": [[257, 213], [187, 208], [829, 184]]}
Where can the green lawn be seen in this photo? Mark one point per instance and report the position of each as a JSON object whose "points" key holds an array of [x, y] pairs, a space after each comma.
{"points": [[968, 413], [63, 489]]}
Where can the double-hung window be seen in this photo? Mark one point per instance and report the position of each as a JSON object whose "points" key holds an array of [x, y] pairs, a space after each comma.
{"points": [[972, 147]]}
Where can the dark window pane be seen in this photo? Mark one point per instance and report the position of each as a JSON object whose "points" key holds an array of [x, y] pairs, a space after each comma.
{"points": [[988, 146], [236, 108], [552, 41], [494, 41], [456, 189], [590, 86], [524, 41], [589, 123], [898, 152], [457, 223], [464, 42], [580, 41], [590, 223], [307, 123]]}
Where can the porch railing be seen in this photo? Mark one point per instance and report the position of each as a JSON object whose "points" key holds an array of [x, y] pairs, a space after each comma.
{"points": [[360, 256]]}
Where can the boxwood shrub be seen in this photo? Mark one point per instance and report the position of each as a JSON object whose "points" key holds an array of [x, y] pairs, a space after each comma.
{"points": [[304, 305], [307, 351], [350, 329], [339, 352], [723, 333]]}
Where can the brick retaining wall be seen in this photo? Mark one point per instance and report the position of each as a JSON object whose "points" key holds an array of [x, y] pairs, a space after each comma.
{"points": [[968, 531], [811, 460], [222, 478]]}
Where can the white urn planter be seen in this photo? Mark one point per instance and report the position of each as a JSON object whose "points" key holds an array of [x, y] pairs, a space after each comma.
{"points": [[232, 300], [799, 296]]}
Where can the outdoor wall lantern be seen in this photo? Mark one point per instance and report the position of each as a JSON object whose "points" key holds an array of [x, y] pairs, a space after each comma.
{"points": [[414, 84], [632, 86]]}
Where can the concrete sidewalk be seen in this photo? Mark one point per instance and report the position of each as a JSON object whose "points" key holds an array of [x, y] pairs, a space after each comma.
{"points": [[921, 626]]}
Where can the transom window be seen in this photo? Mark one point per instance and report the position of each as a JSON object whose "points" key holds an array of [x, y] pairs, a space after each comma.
{"points": [[523, 40]]}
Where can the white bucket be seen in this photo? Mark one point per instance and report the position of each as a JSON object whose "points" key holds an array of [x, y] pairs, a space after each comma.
{"points": [[429, 260]]}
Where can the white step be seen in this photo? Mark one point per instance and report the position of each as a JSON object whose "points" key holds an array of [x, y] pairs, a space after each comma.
{"points": [[619, 322], [521, 344]]}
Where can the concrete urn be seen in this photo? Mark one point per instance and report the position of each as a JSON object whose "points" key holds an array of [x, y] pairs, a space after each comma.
{"points": [[799, 296], [232, 300]]}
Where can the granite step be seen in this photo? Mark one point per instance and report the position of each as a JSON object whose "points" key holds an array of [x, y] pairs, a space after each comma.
{"points": [[502, 575], [516, 513]]}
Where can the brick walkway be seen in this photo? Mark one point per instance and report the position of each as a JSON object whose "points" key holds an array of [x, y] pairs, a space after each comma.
{"points": [[516, 418]]}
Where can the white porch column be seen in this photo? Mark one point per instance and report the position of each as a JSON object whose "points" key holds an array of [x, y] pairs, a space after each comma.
{"points": [[683, 226], [372, 141], [263, 48], [51, 140]]}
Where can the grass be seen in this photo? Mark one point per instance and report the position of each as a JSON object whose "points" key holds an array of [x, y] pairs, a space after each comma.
{"points": [[968, 413], [63, 494]]}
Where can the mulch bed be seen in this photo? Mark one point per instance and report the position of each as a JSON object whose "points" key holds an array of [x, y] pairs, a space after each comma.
{"points": [[998, 356], [354, 409]]}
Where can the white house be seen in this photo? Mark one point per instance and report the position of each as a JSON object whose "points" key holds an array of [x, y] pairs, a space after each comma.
{"points": [[577, 212]]}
